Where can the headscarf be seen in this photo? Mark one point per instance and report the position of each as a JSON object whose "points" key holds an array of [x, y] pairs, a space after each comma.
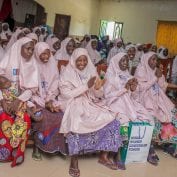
{"points": [[32, 36], [48, 72], [62, 54], [161, 54], [94, 54], [51, 41], [13, 38]]}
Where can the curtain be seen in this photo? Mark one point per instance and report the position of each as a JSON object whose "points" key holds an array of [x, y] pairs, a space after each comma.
{"points": [[6, 9], [167, 36]]}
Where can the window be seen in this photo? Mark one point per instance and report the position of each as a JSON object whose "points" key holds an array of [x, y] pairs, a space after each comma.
{"points": [[111, 28]]}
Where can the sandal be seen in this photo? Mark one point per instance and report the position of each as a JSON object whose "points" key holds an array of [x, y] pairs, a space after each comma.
{"points": [[109, 165], [36, 156], [121, 165], [74, 172], [152, 160]]}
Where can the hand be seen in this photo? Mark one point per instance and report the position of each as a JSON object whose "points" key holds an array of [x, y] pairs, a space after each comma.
{"points": [[99, 83], [5, 106], [91, 82], [49, 106], [158, 72], [15, 106]]}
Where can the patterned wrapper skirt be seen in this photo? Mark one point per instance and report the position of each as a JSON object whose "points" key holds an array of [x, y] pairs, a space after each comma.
{"points": [[13, 138], [106, 139], [166, 132], [46, 133]]}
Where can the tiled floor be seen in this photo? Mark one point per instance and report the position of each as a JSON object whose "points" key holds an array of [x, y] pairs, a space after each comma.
{"points": [[55, 166]]}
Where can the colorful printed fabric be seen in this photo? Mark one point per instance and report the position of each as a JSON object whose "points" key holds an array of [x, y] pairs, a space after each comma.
{"points": [[166, 132], [105, 139], [13, 138]]}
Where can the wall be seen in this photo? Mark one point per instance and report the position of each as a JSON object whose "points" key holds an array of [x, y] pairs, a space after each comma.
{"points": [[83, 13], [139, 17], [23, 7]]}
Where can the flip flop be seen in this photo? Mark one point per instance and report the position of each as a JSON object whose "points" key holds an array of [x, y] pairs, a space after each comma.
{"points": [[36, 156], [109, 165], [74, 172], [152, 160], [121, 165]]}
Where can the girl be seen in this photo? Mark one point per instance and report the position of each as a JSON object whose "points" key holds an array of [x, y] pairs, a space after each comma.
{"points": [[46, 136], [92, 51], [87, 123], [19, 67], [152, 87]]}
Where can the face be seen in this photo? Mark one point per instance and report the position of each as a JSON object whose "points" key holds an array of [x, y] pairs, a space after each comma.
{"points": [[38, 32], [45, 56], [27, 31], [5, 27], [119, 44], [20, 35], [154, 48], [57, 45], [131, 53], [165, 52], [87, 39], [27, 50], [4, 82], [153, 62], [145, 49], [35, 41], [140, 48], [70, 47], [42, 30], [123, 63], [94, 45], [81, 62]]}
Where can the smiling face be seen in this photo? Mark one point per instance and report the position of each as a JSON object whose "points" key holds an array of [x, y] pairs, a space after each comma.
{"points": [[123, 63], [131, 53], [94, 45], [70, 47], [81, 62], [57, 45], [153, 62], [45, 56], [27, 50]]}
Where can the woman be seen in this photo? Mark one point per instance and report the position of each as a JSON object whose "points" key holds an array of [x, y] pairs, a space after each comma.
{"points": [[118, 47], [47, 137], [163, 53], [133, 58], [33, 36], [15, 36], [92, 51], [67, 48], [152, 87], [86, 120], [19, 67], [6, 30], [118, 91], [54, 44]]}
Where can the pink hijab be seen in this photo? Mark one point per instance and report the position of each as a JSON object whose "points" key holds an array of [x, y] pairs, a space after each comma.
{"points": [[81, 113], [48, 72], [14, 62], [94, 54], [32, 36], [13, 38], [152, 91], [51, 41], [62, 54]]}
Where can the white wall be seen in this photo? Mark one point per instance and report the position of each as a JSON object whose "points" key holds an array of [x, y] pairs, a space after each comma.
{"points": [[84, 14], [24, 7], [139, 17]]}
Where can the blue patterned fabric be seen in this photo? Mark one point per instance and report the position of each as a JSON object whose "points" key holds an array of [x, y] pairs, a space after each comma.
{"points": [[105, 139]]}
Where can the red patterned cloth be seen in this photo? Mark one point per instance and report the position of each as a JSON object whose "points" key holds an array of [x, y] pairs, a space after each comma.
{"points": [[13, 138]]}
